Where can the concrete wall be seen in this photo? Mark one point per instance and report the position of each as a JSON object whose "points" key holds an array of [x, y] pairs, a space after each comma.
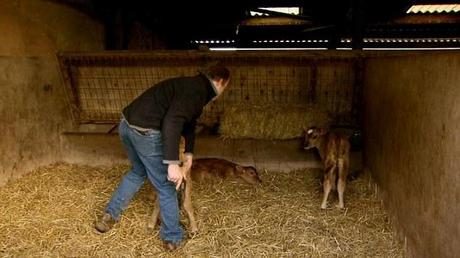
{"points": [[32, 100], [412, 146], [93, 149]]}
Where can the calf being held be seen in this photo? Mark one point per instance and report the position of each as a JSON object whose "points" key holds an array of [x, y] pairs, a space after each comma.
{"points": [[201, 170], [334, 150]]}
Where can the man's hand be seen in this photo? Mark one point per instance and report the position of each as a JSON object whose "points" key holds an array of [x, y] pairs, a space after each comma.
{"points": [[175, 174]]}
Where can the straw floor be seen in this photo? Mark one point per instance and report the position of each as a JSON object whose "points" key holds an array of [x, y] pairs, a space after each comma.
{"points": [[50, 213]]}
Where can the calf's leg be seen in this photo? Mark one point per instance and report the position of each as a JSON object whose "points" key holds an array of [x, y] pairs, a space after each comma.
{"points": [[343, 169], [188, 207], [327, 185], [154, 217]]}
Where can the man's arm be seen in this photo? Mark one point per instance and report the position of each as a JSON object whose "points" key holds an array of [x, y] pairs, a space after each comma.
{"points": [[171, 130], [189, 135]]}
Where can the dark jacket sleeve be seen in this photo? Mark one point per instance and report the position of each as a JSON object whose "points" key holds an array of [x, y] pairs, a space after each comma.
{"points": [[171, 130], [189, 134], [180, 119]]}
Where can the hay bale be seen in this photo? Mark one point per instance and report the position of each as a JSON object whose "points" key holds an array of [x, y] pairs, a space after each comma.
{"points": [[271, 122]]}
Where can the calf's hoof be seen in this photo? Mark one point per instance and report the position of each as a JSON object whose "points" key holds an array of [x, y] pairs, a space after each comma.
{"points": [[194, 230], [193, 233], [152, 225], [150, 228]]}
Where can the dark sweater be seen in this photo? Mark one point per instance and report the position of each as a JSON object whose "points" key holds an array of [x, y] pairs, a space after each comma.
{"points": [[172, 106]]}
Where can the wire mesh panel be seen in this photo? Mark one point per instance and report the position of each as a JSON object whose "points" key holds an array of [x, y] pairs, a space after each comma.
{"points": [[99, 85]]}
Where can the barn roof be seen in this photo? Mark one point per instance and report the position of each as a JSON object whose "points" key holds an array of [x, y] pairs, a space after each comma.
{"points": [[327, 23]]}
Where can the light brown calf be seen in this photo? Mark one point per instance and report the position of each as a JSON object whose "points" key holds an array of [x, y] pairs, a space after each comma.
{"points": [[334, 150], [200, 171], [185, 191], [207, 168]]}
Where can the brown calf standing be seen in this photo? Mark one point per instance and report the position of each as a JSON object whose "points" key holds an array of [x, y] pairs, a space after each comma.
{"points": [[334, 150], [213, 167], [185, 191]]}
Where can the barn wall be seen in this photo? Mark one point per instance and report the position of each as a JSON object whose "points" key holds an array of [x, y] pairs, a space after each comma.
{"points": [[93, 149], [105, 82], [32, 100], [412, 146]]}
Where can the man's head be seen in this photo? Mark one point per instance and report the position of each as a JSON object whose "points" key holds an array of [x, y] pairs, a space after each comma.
{"points": [[219, 75]]}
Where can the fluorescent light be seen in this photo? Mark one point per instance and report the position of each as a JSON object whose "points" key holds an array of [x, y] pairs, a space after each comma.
{"points": [[421, 48], [401, 40], [262, 48], [344, 48]]}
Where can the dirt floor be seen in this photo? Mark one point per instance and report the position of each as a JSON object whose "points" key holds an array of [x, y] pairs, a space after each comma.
{"points": [[50, 213]]}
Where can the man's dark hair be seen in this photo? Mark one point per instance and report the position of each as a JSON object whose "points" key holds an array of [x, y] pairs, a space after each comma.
{"points": [[217, 71]]}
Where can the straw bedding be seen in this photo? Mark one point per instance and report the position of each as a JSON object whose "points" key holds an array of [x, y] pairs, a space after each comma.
{"points": [[50, 213]]}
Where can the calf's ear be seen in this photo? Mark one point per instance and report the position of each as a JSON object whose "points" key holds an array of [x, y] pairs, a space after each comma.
{"points": [[311, 131], [239, 168]]}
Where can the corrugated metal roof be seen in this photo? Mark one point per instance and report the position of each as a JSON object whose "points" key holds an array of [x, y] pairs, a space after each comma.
{"points": [[435, 8], [287, 10]]}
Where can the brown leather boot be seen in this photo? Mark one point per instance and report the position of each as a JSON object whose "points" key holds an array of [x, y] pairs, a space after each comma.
{"points": [[105, 223]]}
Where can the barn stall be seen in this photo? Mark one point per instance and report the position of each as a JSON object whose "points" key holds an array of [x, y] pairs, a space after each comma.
{"points": [[62, 156]]}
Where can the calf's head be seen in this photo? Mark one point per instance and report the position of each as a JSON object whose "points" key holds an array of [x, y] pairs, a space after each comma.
{"points": [[312, 137], [248, 174]]}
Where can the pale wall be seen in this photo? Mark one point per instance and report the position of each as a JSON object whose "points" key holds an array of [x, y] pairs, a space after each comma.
{"points": [[32, 99], [412, 146]]}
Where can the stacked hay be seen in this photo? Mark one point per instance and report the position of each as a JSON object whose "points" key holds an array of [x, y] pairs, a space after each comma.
{"points": [[50, 213], [271, 122]]}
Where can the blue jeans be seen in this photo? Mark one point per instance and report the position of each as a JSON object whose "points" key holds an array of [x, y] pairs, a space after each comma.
{"points": [[145, 153]]}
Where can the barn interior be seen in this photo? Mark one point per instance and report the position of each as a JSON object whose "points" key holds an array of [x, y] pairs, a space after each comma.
{"points": [[384, 72]]}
